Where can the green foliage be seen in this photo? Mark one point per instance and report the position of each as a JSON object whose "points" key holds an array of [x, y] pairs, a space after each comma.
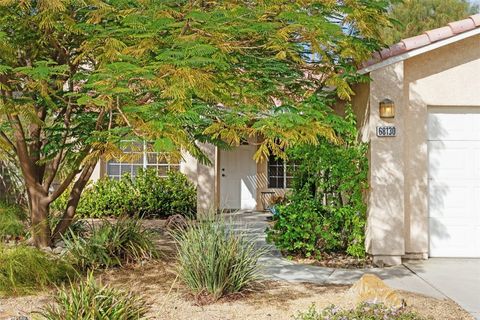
{"points": [[112, 244], [79, 77], [326, 211], [11, 221], [77, 227], [361, 312], [24, 270], [413, 17], [105, 198], [88, 300], [147, 196], [213, 259]]}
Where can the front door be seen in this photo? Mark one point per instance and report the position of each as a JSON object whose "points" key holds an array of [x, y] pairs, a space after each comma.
{"points": [[238, 174]]}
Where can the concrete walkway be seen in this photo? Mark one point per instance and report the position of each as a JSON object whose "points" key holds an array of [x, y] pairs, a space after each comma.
{"points": [[438, 278]]}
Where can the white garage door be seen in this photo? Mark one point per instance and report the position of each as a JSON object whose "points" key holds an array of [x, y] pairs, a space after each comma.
{"points": [[454, 182]]}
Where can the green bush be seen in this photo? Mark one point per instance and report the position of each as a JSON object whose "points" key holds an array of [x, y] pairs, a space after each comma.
{"points": [[112, 244], [90, 301], [24, 270], [11, 221], [148, 195], [213, 259], [326, 211], [362, 312]]}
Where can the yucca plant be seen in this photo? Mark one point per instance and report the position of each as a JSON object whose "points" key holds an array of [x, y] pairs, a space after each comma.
{"points": [[112, 244], [89, 300], [216, 260], [24, 269]]}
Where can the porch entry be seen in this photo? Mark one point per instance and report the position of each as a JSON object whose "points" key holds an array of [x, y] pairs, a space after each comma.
{"points": [[238, 178]]}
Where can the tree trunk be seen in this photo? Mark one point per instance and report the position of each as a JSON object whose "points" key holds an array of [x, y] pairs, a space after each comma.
{"points": [[39, 208], [72, 203]]}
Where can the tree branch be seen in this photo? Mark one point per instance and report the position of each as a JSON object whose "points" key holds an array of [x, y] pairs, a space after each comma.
{"points": [[7, 140], [61, 189], [52, 170]]}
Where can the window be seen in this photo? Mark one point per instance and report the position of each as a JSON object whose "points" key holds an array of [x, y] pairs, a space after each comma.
{"points": [[280, 173], [140, 158]]}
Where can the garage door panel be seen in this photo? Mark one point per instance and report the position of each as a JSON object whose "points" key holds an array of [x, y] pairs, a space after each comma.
{"points": [[446, 201], [448, 160], [454, 241], [454, 183], [453, 126]]}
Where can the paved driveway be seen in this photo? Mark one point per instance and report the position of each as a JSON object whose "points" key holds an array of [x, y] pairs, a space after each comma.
{"points": [[458, 279]]}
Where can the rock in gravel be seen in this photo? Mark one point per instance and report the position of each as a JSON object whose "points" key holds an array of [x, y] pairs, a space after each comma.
{"points": [[47, 249], [58, 250], [60, 244], [370, 288]]}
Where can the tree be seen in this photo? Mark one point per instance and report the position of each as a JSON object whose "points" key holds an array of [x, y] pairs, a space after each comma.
{"points": [[416, 16], [78, 77]]}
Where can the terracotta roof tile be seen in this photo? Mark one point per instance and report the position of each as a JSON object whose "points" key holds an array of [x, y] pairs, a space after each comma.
{"points": [[416, 42], [428, 37], [439, 33], [476, 19], [462, 25]]}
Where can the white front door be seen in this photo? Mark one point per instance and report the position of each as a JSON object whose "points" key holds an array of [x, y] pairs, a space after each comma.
{"points": [[238, 174], [454, 182]]}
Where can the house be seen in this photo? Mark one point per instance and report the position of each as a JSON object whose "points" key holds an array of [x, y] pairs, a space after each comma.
{"points": [[234, 181], [421, 117]]}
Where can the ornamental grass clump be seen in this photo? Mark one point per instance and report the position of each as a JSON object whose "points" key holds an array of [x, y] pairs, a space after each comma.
{"points": [[11, 221], [25, 270], [112, 244], [89, 300], [215, 260]]}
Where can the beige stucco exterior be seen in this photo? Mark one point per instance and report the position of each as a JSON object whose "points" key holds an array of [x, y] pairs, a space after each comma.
{"points": [[398, 197]]}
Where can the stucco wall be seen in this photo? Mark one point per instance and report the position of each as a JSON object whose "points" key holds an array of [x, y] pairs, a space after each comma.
{"points": [[398, 197], [448, 76]]}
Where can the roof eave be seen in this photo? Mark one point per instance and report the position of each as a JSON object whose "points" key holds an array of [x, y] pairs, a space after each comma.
{"points": [[418, 51]]}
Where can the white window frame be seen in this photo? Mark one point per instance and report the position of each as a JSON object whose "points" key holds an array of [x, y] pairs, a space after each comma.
{"points": [[145, 164], [285, 176]]}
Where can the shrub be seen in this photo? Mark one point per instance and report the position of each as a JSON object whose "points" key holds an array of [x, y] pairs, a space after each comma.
{"points": [[11, 221], [90, 301], [326, 210], [25, 269], [148, 195], [299, 228], [213, 259], [112, 244], [362, 312]]}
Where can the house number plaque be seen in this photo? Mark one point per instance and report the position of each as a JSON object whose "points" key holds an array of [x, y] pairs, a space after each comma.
{"points": [[386, 131]]}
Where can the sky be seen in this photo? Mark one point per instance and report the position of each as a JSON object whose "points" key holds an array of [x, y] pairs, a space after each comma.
{"points": [[477, 2]]}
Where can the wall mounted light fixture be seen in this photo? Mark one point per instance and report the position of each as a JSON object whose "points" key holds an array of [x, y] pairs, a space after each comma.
{"points": [[387, 108]]}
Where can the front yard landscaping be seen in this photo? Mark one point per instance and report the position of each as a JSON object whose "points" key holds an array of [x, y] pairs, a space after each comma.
{"points": [[166, 296]]}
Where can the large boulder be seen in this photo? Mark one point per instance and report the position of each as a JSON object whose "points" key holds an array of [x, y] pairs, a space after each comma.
{"points": [[371, 289]]}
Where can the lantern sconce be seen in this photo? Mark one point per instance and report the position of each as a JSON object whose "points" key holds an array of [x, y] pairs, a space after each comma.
{"points": [[387, 108]]}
